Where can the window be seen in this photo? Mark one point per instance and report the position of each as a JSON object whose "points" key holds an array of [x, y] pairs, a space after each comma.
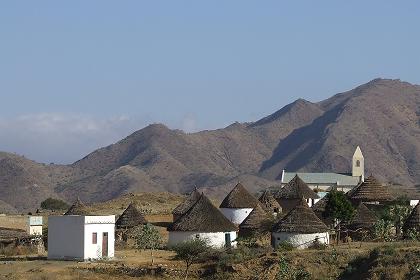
{"points": [[94, 238], [357, 163]]}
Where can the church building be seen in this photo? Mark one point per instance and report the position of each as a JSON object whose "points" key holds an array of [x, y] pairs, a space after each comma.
{"points": [[327, 181]]}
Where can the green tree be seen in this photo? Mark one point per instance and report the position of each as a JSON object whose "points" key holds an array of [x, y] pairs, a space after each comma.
{"points": [[54, 204], [338, 208], [147, 237], [190, 251], [397, 213]]}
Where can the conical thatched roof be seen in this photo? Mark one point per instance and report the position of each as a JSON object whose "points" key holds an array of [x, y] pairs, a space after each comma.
{"points": [[239, 197], [77, 208], [301, 219], [258, 220], [320, 206], [413, 221], [370, 191], [268, 202], [296, 189], [131, 217], [203, 216], [182, 208], [363, 218]]}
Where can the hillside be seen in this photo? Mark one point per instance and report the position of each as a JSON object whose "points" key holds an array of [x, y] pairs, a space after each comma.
{"points": [[382, 116]]}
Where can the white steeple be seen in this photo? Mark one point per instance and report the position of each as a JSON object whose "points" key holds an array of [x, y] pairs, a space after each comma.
{"points": [[358, 169]]}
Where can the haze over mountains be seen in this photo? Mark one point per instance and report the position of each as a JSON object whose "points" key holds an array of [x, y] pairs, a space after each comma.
{"points": [[382, 116]]}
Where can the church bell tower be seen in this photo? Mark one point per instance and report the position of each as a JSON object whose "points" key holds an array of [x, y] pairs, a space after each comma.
{"points": [[358, 169]]}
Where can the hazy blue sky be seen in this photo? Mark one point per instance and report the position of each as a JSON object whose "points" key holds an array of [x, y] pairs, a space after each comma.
{"points": [[76, 75]]}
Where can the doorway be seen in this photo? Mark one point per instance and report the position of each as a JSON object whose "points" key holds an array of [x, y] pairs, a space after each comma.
{"points": [[228, 241], [105, 244]]}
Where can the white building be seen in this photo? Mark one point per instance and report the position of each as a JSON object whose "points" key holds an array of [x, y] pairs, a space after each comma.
{"points": [[81, 237], [300, 228], [326, 181], [238, 204], [35, 225], [203, 221]]}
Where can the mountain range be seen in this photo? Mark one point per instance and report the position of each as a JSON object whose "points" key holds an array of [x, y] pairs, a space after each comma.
{"points": [[381, 116]]}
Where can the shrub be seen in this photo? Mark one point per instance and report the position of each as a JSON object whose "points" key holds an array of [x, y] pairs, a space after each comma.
{"points": [[288, 272], [285, 246], [54, 204], [382, 230], [190, 251], [147, 237], [413, 234]]}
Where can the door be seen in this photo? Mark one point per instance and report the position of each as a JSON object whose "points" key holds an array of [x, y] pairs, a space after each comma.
{"points": [[227, 240], [105, 244]]}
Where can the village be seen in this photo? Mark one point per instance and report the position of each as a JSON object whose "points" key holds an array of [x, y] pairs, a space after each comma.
{"points": [[307, 213]]}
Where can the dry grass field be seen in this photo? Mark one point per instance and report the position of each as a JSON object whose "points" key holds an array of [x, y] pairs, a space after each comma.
{"points": [[357, 261]]}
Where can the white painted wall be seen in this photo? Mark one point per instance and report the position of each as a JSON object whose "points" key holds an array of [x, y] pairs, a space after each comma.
{"points": [[215, 239], [70, 237], [298, 240], [94, 251], [35, 230], [65, 237], [414, 202], [236, 215]]}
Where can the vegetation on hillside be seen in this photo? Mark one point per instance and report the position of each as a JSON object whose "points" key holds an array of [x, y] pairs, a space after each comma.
{"points": [[54, 204]]}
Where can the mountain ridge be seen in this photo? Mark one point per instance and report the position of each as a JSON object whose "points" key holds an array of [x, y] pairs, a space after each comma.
{"points": [[382, 116]]}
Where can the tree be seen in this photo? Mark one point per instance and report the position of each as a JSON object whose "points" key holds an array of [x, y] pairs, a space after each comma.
{"points": [[147, 237], [190, 251], [54, 204], [397, 213], [339, 208]]}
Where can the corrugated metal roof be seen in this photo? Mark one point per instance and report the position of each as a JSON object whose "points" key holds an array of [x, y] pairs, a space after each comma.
{"points": [[322, 178]]}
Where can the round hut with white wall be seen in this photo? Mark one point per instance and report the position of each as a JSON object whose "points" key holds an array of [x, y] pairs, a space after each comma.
{"points": [[238, 204], [257, 224], [203, 221], [300, 227], [290, 195]]}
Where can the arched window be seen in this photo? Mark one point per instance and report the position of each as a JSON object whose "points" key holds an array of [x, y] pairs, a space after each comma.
{"points": [[357, 163]]}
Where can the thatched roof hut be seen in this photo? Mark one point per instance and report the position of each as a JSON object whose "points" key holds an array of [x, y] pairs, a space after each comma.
{"points": [[239, 197], [371, 190], [77, 208], [269, 203], [413, 221], [296, 189], [131, 217], [300, 219], [289, 196], [363, 218], [182, 208], [203, 216], [300, 227], [259, 221]]}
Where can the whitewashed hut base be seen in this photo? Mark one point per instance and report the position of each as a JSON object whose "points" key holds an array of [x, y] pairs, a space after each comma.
{"points": [[236, 215], [214, 239], [300, 240]]}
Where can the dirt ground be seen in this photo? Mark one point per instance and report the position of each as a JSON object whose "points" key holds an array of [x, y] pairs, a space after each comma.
{"points": [[35, 267]]}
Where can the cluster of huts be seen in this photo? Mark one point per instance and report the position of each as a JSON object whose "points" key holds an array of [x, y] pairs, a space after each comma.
{"points": [[292, 214]]}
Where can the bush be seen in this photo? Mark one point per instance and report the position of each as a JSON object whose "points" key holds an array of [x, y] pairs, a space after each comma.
{"points": [[413, 234], [288, 272], [54, 204], [190, 251], [285, 246]]}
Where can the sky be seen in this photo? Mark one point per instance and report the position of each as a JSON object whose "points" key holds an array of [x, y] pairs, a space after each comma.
{"points": [[79, 75]]}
